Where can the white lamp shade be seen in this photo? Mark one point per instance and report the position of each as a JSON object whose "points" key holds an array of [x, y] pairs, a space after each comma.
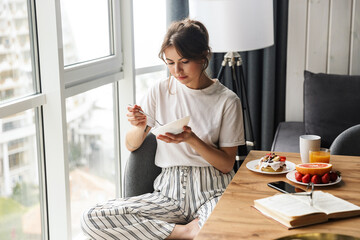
{"points": [[235, 25]]}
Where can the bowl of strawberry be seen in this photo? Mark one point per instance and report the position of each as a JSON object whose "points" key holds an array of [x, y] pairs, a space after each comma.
{"points": [[326, 178], [321, 174]]}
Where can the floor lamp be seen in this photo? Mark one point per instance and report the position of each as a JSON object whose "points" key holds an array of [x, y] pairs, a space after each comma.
{"points": [[236, 26], [234, 62]]}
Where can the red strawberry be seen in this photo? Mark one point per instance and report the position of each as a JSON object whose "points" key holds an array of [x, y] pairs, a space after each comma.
{"points": [[298, 176], [333, 176], [316, 179], [306, 178], [325, 178]]}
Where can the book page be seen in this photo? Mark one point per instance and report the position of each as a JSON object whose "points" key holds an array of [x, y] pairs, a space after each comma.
{"points": [[287, 205], [330, 204]]}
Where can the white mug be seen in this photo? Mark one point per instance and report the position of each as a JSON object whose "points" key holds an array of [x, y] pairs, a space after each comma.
{"points": [[308, 143]]}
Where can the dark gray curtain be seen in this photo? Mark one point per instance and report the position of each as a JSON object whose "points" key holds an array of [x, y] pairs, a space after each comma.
{"points": [[176, 10], [264, 71]]}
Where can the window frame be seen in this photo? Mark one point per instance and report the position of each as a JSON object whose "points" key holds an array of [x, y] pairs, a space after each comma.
{"points": [[33, 102], [57, 87], [52, 87], [83, 72], [150, 69]]}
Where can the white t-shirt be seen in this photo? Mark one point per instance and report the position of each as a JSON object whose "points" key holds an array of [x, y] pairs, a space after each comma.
{"points": [[215, 117]]}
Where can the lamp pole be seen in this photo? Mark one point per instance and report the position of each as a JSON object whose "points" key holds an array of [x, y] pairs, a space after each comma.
{"points": [[234, 61]]}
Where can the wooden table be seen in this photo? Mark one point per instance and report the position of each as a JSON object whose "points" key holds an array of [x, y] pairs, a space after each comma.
{"points": [[235, 218]]}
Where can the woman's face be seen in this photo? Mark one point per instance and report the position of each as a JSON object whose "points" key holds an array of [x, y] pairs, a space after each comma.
{"points": [[184, 70]]}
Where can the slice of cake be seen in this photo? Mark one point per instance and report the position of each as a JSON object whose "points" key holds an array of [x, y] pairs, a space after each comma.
{"points": [[272, 163]]}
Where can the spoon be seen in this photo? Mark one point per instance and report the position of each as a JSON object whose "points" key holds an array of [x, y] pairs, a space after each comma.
{"points": [[148, 116]]}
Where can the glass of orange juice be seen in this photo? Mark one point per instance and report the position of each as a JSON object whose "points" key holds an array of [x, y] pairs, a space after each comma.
{"points": [[323, 155]]}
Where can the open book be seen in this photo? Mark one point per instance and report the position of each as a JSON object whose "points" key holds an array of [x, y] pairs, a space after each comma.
{"points": [[295, 210]]}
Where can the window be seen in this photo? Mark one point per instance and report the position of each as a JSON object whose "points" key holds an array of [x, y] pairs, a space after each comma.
{"points": [[68, 126], [149, 30], [145, 81], [91, 40], [92, 160], [20, 216], [21, 185], [16, 79], [86, 34]]}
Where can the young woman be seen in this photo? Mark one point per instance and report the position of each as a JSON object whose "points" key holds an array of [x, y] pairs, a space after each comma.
{"points": [[197, 164]]}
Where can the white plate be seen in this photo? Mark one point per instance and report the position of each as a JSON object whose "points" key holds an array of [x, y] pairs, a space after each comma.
{"points": [[291, 177], [174, 127], [252, 166]]}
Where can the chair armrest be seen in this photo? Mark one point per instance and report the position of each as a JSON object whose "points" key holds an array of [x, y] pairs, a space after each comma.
{"points": [[287, 137], [140, 170], [347, 143]]}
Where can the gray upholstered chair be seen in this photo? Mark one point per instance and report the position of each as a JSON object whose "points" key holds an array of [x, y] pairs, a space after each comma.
{"points": [[331, 105], [140, 169], [347, 143]]}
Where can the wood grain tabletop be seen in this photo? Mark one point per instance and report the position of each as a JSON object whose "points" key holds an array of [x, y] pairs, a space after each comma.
{"points": [[235, 218]]}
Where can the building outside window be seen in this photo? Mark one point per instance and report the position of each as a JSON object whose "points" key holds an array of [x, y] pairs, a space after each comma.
{"points": [[15, 58], [19, 162], [90, 127], [19, 191]]}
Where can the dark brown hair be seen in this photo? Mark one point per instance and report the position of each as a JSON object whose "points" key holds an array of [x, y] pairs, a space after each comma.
{"points": [[190, 39]]}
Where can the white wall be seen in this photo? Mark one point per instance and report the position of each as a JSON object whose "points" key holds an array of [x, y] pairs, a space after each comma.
{"points": [[323, 36]]}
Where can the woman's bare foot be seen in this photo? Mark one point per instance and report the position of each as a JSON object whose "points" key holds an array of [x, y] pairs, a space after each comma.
{"points": [[188, 231]]}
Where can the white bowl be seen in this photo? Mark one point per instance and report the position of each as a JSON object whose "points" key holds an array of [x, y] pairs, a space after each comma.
{"points": [[174, 127]]}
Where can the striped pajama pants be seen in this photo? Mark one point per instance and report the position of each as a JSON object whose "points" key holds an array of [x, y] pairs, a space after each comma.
{"points": [[180, 195]]}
